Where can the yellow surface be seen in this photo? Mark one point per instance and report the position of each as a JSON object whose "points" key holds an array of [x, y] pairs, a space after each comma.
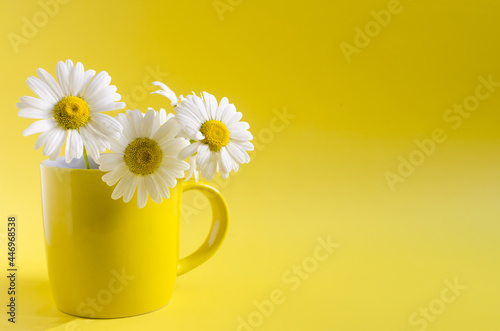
{"points": [[420, 256]]}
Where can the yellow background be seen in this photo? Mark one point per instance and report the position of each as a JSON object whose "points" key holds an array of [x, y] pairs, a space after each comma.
{"points": [[321, 174]]}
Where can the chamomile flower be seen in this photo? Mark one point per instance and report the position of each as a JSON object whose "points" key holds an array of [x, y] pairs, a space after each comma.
{"points": [[145, 157], [219, 141], [70, 110]]}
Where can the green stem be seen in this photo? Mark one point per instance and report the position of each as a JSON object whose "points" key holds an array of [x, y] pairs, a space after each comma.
{"points": [[86, 158]]}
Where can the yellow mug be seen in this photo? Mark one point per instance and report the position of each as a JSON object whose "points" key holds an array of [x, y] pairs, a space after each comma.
{"points": [[109, 259]]}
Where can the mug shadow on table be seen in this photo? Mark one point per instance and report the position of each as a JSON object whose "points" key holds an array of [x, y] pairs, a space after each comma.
{"points": [[37, 310], [36, 307]]}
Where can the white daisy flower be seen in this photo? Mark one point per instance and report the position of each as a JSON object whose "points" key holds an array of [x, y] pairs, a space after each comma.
{"points": [[72, 105], [219, 141], [145, 157]]}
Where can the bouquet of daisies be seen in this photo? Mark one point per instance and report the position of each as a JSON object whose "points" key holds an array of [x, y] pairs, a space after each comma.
{"points": [[149, 151]]}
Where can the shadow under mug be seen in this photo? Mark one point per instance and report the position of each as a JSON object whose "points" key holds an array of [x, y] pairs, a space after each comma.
{"points": [[109, 259]]}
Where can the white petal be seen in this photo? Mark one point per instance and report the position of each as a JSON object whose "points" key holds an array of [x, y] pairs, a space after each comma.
{"points": [[156, 123], [68, 152], [122, 186], [200, 105], [167, 131], [203, 156], [237, 153], [110, 161], [172, 148], [233, 121], [31, 102], [222, 105], [189, 133], [240, 126], [166, 92], [42, 90], [62, 74], [51, 82], [211, 168], [161, 185], [112, 177], [40, 126], [107, 132], [192, 168], [142, 193], [224, 162], [189, 150], [175, 164], [211, 105], [89, 142], [188, 121], [167, 176], [152, 189], [148, 122], [110, 106], [228, 113], [117, 146], [107, 122], [87, 76], [241, 136], [34, 113], [69, 65], [130, 189], [163, 116], [100, 138], [74, 146], [235, 166], [53, 146], [193, 105], [199, 136], [99, 81], [246, 146], [104, 96], [95, 129], [44, 137], [188, 108], [78, 145], [128, 128], [136, 122], [76, 79]]}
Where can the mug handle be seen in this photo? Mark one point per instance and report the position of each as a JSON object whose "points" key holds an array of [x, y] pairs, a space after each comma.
{"points": [[217, 231]]}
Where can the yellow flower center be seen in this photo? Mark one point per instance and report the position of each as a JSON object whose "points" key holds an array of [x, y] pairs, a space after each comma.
{"points": [[143, 156], [216, 135], [71, 112]]}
